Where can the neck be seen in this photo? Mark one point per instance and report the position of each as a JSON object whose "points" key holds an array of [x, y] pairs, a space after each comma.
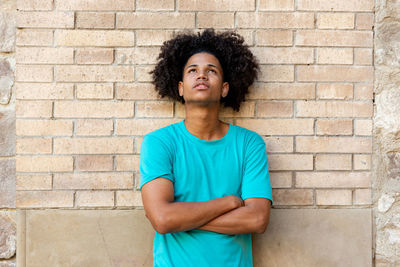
{"points": [[203, 122]]}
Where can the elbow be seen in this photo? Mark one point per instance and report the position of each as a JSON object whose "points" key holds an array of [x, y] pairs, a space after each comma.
{"points": [[261, 223], [162, 225]]}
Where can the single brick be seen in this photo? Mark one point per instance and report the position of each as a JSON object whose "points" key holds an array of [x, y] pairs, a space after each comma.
{"points": [[35, 5], [284, 55], [95, 38], [93, 181], [34, 182], [363, 92], [335, 21], [152, 37], [94, 56], [147, 20], [154, 109], [334, 38], [278, 127], [363, 56], [95, 20], [363, 127], [34, 146], [136, 91], [335, 56], [94, 199], [335, 5], [34, 109], [98, 5], [44, 55], [284, 162], [275, 20], [110, 73], [279, 144], [281, 179], [333, 109], [31, 37], [365, 21], [362, 162], [276, 73], [275, 5], [93, 109], [94, 127], [143, 73], [247, 36], [45, 199], [44, 128], [333, 179], [44, 163], [215, 20], [94, 163], [282, 91], [275, 109], [334, 127], [333, 144], [155, 5], [292, 197], [26, 73], [44, 91], [93, 145], [333, 162], [335, 73], [127, 162], [362, 197], [45, 19], [95, 91], [226, 5], [137, 55], [274, 37], [129, 198], [141, 126], [334, 197], [342, 91]]}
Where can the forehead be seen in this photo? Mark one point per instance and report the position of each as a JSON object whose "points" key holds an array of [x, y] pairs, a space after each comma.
{"points": [[203, 58]]}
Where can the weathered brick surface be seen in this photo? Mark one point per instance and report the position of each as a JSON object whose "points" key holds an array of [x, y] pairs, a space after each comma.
{"points": [[85, 98]]}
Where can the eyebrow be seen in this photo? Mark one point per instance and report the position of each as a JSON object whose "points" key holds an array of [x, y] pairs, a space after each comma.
{"points": [[195, 65]]}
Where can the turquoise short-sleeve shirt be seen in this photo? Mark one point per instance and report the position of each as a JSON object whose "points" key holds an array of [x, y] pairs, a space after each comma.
{"points": [[203, 170]]}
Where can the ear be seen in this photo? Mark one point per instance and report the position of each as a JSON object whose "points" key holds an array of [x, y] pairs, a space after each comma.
{"points": [[180, 88], [225, 89]]}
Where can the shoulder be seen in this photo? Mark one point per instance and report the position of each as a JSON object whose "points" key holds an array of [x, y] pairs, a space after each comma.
{"points": [[249, 137], [165, 136]]}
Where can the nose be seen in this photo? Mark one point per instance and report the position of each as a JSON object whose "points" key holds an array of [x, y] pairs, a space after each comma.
{"points": [[202, 75]]}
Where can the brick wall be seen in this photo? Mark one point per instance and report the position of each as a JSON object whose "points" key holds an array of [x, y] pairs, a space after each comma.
{"points": [[85, 99]]}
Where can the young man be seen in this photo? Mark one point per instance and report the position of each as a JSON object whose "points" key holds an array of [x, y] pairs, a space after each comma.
{"points": [[205, 183]]}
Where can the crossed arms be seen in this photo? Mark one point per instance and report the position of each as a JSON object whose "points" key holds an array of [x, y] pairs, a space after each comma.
{"points": [[226, 215]]}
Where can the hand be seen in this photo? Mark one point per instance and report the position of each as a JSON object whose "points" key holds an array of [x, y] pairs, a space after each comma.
{"points": [[237, 202]]}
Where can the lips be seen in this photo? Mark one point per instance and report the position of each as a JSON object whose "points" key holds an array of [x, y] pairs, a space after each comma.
{"points": [[201, 85]]}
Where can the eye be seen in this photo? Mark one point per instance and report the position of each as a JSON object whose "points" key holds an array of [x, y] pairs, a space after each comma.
{"points": [[211, 70], [191, 70]]}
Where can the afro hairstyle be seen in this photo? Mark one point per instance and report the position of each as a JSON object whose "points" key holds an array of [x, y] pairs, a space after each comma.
{"points": [[239, 65]]}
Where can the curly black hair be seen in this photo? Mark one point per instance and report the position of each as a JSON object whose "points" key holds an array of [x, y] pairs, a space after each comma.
{"points": [[239, 65]]}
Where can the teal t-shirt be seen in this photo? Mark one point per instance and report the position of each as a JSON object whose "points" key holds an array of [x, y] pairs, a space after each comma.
{"points": [[204, 170]]}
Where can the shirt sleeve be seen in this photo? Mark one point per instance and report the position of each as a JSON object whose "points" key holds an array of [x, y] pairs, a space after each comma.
{"points": [[256, 179], [155, 160]]}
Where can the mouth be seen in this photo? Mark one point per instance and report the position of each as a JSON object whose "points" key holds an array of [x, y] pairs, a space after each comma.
{"points": [[201, 86]]}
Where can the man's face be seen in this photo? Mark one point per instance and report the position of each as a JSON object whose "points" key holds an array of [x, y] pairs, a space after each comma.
{"points": [[203, 81]]}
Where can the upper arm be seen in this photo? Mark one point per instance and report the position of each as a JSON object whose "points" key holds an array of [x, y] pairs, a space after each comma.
{"points": [[256, 179], [155, 195]]}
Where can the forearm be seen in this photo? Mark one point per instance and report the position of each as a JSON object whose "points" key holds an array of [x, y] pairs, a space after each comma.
{"points": [[183, 216], [243, 220]]}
